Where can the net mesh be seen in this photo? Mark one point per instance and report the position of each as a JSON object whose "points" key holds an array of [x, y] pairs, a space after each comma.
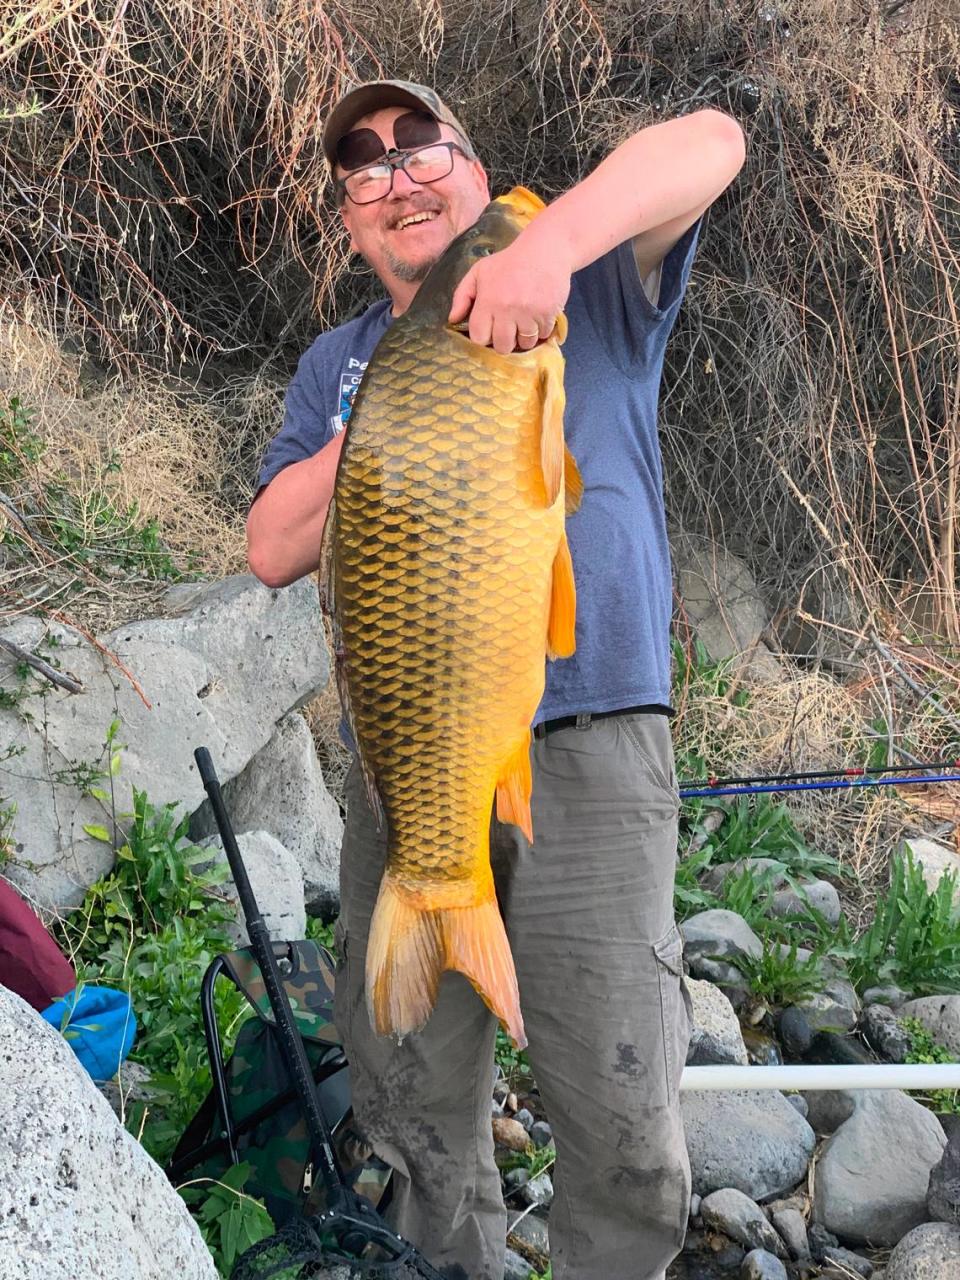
{"points": [[302, 1251]]}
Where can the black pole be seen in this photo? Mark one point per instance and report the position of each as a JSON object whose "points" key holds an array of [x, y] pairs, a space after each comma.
{"points": [[855, 771]]}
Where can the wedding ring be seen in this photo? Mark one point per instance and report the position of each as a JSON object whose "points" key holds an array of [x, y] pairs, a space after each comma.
{"points": [[535, 334]]}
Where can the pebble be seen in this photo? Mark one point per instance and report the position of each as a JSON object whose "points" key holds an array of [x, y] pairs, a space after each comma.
{"points": [[531, 1229], [538, 1190], [820, 1238], [515, 1267], [524, 1117], [695, 1202], [846, 1258], [794, 1032], [507, 1133], [760, 1265], [799, 1103], [738, 1217], [541, 1135], [515, 1178], [793, 1230], [511, 1102], [500, 1091]]}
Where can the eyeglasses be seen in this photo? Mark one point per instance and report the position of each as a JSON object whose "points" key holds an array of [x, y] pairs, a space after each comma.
{"points": [[426, 164], [417, 149]]}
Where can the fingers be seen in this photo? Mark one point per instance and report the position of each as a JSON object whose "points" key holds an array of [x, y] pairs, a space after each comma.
{"points": [[464, 295]]}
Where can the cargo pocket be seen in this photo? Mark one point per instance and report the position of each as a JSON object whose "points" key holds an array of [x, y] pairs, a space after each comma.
{"points": [[675, 1009], [642, 732]]}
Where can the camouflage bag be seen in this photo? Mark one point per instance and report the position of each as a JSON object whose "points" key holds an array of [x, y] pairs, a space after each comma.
{"points": [[252, 1113]]}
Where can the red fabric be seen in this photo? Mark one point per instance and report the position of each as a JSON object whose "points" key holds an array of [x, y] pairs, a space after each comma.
{"points": [[31, 963]]}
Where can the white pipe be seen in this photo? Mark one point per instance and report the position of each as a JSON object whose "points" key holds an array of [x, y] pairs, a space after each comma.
{"points": [[918, 1075]]}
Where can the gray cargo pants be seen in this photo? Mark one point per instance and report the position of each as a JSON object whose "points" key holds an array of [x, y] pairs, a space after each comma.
{"points": [[589, 913]]}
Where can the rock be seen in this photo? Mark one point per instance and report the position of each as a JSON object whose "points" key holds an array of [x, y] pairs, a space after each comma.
{"points": [[129, 1085], [818, 894], [515, 1267], [890, 995], [737, 1216], [841, 1049], [718, 933], [721, 600], [695, 1203], [828, 1109], [929, 1252], [541, 1135], [835, 1008], [761, 1265], [282, 791], [531, 1229], [79, 1197], [770, 869], [940, 1015], [793, 1231], [514, 1178], [276, 881], [795, 1032], [799, 1103], [936, 860], [716, 1036], [885, 1033], [224, 665], [538, 1191], [848, 1261], [525, 1117], [943, 1190], [508, 1133], [862, 1194], [820, 1239], [771, 1163]]}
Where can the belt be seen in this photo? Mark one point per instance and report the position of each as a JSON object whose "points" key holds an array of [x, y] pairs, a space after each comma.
{"points": [[586, 718]]}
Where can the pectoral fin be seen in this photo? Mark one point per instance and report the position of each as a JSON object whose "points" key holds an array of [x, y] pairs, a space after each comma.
{"points": [[552, 401], [514, 788]]}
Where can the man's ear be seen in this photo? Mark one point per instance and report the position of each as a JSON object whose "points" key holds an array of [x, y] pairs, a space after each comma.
{"points": [[480, 176], [345, 219]]}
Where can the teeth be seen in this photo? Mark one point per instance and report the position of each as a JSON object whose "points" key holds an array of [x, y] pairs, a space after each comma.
{"points": [[415, 217]]}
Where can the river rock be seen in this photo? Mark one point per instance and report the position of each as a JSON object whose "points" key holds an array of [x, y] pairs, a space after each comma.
{"points": [[793, 1232], [835, 1008], [940, 1015], [943, 1192], [759, 1264], [935, 859], [818, 894], [716, 1036], [79, 1197], [721, 600], [929, 1252], [282, 791], [848, 1261], [737, 1216], [886, 1033], [828, 1109], [515, 1267], [225, 663], [770, 1163], [863, 1194], [718, 933]]}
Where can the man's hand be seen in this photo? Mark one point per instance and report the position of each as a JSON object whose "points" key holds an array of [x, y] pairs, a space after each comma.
{"points": [[513, 297]]}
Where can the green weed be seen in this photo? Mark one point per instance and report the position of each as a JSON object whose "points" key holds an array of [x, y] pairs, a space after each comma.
{"points": [[923, 1048], [778, 976], [19, 447], [229, 1220]]}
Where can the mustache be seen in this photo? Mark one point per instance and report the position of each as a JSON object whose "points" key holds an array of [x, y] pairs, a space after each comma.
{"points": [[426, 205]]}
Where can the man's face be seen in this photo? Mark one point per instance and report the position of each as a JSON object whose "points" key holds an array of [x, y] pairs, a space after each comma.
{"points": [[399, 250]]}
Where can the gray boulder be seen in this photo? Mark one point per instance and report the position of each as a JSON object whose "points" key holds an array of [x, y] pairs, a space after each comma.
{"points": [[737, 1216], [223, 665], [79, 1197], [929, 1252], [277, 883], [941, 1017], [723, 604], [709, 936], [716, 1036], [282, 791], [862, 1194], [885, 1032], [770, 1163], [943, 1191], [760, 1264], [935, 860], [835, 1008]]}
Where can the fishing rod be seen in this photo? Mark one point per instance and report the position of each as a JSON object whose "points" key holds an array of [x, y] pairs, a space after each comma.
{"points": [[850, 772], [827, 782]]}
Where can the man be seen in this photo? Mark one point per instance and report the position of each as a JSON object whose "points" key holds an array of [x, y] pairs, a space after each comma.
{"points": [[589, 906]]}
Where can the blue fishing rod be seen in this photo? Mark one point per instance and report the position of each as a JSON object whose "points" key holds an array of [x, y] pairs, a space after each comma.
{"points": [[894, 775]]}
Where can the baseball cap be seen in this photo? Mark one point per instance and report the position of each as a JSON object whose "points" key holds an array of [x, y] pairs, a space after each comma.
{"points": [[360, 99]]}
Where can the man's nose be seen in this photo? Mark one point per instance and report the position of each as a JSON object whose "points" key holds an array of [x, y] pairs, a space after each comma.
{"points": [[403, 185]]}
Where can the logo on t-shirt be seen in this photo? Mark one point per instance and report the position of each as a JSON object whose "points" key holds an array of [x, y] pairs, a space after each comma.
{"points": [[350, 379]]}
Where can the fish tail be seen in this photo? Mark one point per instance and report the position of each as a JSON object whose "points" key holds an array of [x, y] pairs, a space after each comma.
{"points": [[410, 947]]}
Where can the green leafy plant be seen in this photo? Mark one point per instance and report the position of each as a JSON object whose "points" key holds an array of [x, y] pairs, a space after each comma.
{"points": [[778, 975], [914, 938], [760, 827], [19, 447], [512, 1062], [229, 1220], [923, 1048]]}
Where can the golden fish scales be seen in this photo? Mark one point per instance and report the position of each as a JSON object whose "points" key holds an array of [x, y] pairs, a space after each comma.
{"points": [[452, 582]]}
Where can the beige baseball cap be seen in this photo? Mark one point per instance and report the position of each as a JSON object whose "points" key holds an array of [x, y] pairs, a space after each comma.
{"points": [[361, 99]]}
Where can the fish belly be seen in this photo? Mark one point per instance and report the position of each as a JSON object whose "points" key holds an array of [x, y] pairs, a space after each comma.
{"points": [[443, 565]]}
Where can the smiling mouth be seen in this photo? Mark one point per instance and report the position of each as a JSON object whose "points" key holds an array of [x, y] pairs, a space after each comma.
{"points": [[413, 219]]}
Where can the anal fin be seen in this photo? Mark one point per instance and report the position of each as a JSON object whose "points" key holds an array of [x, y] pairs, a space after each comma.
{"points": [[514, 788]]}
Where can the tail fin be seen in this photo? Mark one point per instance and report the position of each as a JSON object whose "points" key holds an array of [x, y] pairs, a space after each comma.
{"points": [[409, 948]]}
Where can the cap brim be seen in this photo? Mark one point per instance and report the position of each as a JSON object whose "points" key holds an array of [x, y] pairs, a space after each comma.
{"points": [[360, 102]]}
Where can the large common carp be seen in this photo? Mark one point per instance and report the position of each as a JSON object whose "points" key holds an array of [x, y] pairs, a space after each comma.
{"points": [[451, 581]]}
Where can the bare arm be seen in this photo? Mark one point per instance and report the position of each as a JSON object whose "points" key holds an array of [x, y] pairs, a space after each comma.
{"points": [[649, 190], [285, 524]]}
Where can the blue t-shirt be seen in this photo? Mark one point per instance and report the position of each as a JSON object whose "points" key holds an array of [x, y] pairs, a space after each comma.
{"points": [[618, 539]]}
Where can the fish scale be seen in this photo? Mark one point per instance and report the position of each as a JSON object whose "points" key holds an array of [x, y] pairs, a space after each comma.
{"points": [[447, 536]]}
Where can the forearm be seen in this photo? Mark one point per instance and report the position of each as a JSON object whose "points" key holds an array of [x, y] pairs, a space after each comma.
{"points": [[656, 176], [285, 524]]}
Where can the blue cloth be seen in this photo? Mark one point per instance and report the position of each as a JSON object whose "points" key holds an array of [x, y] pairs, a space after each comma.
{"points": [[98, 1023], [618, 540]]}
